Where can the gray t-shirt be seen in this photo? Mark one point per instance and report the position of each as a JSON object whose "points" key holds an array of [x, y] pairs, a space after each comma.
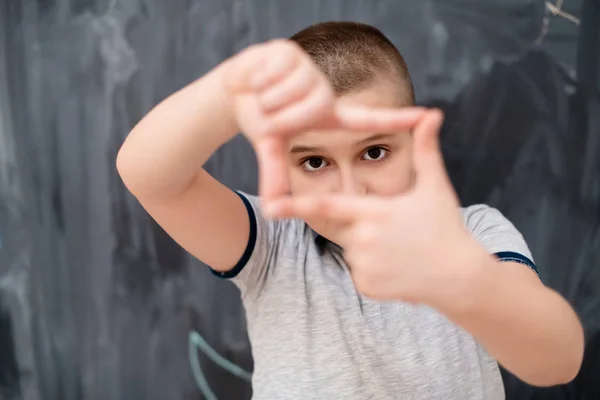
{"points": [[314, 336]]}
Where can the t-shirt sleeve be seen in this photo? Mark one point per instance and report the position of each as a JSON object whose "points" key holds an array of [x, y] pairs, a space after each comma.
{"points": [[250, 273], [498, 235]]}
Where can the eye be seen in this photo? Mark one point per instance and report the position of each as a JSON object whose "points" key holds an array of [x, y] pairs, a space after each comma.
{"points": [[314, 164], [375, 154]]}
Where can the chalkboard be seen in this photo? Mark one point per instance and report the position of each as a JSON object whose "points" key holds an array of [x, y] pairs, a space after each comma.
{"points": [[97, 302]]}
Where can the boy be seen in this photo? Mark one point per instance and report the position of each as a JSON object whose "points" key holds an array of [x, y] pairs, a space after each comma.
{"points": [[372, 283]]}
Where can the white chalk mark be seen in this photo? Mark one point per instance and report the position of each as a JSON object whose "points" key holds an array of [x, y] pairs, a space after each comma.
{"points": [[553, 10], [556, 11]]}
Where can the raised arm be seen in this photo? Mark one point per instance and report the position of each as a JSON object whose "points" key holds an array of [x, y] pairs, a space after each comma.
{"points": [[161, 164]]}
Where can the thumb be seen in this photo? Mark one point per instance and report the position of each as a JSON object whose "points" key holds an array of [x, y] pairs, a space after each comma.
{"points": [[273, 178], [427, 155]]}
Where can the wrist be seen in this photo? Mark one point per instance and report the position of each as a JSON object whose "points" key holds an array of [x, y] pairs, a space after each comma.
{"points": [[222, 98]]}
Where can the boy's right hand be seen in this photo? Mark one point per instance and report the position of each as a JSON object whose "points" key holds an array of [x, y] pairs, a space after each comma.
{"points": [[277, 91]]}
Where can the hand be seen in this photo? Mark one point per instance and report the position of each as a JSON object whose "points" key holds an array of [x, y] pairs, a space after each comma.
{"points": [[411, 247], [277, 91]]}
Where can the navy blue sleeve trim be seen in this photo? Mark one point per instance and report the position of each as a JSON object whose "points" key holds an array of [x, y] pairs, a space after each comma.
{"points": [[249, 247], [511, 256]]}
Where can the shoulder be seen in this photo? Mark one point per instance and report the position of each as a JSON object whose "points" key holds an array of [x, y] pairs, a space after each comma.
{"points": [[287, 241], [497, 234], [481, 218], [269, 240], [281, 229]]}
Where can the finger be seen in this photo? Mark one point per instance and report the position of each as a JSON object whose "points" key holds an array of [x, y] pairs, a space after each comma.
{"points": [[339, 208], [239, 69], [363, 119], [289, 89], [428, 160], [272, 167], [305, 114], [283, 57]]}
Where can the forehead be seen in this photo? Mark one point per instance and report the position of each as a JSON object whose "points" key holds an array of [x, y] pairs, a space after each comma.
{"points": [[377, 95]]}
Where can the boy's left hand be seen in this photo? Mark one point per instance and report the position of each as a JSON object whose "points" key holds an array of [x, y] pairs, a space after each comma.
{"points": [[409, 247]]}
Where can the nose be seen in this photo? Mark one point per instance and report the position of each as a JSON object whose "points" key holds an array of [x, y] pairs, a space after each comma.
{"points": [[351, 183]]}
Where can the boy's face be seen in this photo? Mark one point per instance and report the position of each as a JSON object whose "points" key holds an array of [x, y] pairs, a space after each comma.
{"points": [[352, 163]]}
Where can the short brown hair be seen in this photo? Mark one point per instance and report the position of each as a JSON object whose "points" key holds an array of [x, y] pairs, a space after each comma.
{"points": [[353, 54]]}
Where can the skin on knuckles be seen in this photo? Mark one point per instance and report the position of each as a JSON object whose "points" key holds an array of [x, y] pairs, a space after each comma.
{"points": [[282, 57], [240, 70], [292, 88], [313, 110]]}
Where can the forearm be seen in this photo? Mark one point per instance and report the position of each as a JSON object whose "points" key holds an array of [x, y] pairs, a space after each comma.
{"points": [[530, 329], [167, 148]]}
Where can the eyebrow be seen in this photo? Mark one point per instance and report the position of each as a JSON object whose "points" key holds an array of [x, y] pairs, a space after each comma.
{"points": [[374, 138]]}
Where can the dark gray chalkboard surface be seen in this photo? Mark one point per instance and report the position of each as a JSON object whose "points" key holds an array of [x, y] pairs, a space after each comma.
{"points": [[97, 302]]}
